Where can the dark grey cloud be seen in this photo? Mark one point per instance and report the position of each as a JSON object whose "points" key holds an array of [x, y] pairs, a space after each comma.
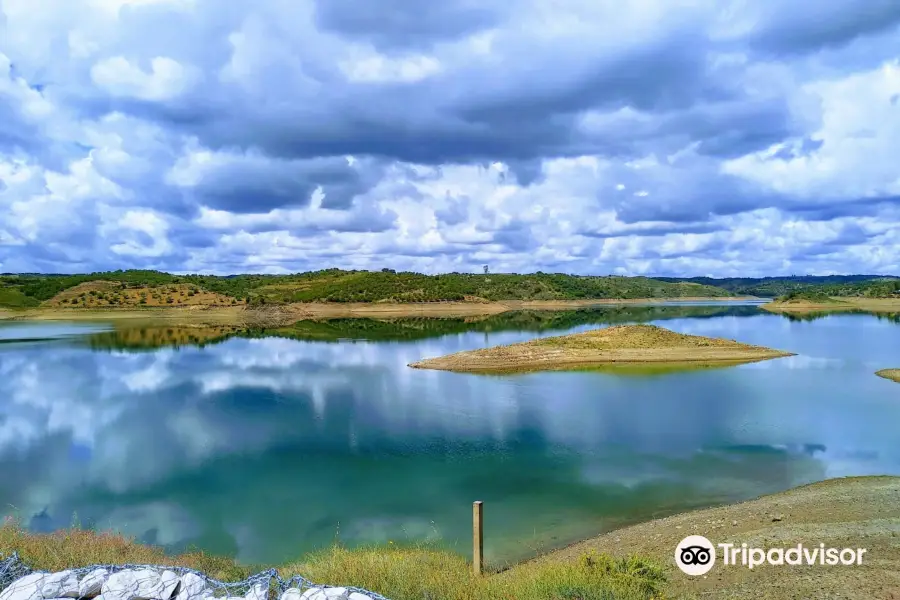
{"points": [[456, 212], [516, 236], [735, 129], [392, 24], [685, 192], [825, 210], [654, 230], [518, 111], [848, 234], [788, 28], [650, 75], [806, 147], [258, 185], [526, 172]]}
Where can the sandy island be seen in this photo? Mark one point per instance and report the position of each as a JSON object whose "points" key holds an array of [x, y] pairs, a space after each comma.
{"points": [[892, 374], [837, 304], [621, 344]]}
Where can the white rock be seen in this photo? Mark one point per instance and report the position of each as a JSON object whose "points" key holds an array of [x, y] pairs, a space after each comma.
{"points": [[25, 588], [292, 594], [91, 584], [326, 594], [144, 584], [259, 591], [63, 584], [170, 582], [124, 585], [193, 587], [358, 596]]}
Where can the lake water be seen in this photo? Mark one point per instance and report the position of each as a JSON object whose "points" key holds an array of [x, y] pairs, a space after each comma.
{"points": [[265, 447]]}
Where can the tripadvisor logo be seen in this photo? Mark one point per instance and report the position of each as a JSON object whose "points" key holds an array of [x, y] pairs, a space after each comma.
{"points": [[696, 555]]}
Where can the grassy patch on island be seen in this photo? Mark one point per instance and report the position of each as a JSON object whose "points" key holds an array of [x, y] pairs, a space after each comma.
{"points": [[892, 374], [617, 345]]}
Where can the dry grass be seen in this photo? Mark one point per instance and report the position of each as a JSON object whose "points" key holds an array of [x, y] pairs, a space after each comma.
{"points": [[399, 573], [112, 294], [416, 573], [621, 344], [892, 374], [849, 512], [76, 547]]}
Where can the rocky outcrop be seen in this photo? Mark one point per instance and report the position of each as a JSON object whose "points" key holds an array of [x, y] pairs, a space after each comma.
{"points": [[148, 583]]}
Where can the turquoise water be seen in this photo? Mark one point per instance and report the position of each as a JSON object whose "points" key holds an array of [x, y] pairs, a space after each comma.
{"points": [[266, 447]]}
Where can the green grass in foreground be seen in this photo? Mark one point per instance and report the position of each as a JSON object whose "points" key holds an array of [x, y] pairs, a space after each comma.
{"points": [[400, 573]]}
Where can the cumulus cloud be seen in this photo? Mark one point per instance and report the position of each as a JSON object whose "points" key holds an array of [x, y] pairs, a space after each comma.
{"points": [[655, 137]]}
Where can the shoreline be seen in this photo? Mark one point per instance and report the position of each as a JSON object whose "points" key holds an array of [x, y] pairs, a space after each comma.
{"points": [[842, 512], [300, 311]]}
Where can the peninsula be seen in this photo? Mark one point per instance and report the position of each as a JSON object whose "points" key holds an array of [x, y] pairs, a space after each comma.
{"points": [[835, 304], [619, 345], [892, 374], [881, 296]]}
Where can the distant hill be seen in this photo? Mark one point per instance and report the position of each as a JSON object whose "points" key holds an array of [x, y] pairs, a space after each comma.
{"points": [[773, 287], [135, 287]]}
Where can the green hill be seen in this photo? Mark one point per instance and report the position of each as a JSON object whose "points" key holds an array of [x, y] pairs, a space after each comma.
{"points": [[875, 286], [335, 285]]}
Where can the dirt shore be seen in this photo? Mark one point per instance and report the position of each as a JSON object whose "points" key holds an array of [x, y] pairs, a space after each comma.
{"points": [[876, 305], [853, 512], [892, 374], [301, 311], [621, 344]]}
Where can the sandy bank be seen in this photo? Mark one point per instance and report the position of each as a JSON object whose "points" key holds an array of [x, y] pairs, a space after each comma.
{"points": [[853, 512], [877, 305], [892, 374], [200, 315], [621, 344], [301, 311]]}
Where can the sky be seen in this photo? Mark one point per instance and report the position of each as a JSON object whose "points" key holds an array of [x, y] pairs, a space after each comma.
{"points": [[648, 137]]}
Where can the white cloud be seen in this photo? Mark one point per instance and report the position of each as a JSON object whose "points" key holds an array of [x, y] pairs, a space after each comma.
{"points": [[653, 137], [166, 78]]}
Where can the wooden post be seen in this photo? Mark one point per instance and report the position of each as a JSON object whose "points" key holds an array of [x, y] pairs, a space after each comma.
{"points": [[477, 538]]}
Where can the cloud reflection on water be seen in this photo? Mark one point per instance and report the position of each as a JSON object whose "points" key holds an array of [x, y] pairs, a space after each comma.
{"points": [[252, 441]]}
